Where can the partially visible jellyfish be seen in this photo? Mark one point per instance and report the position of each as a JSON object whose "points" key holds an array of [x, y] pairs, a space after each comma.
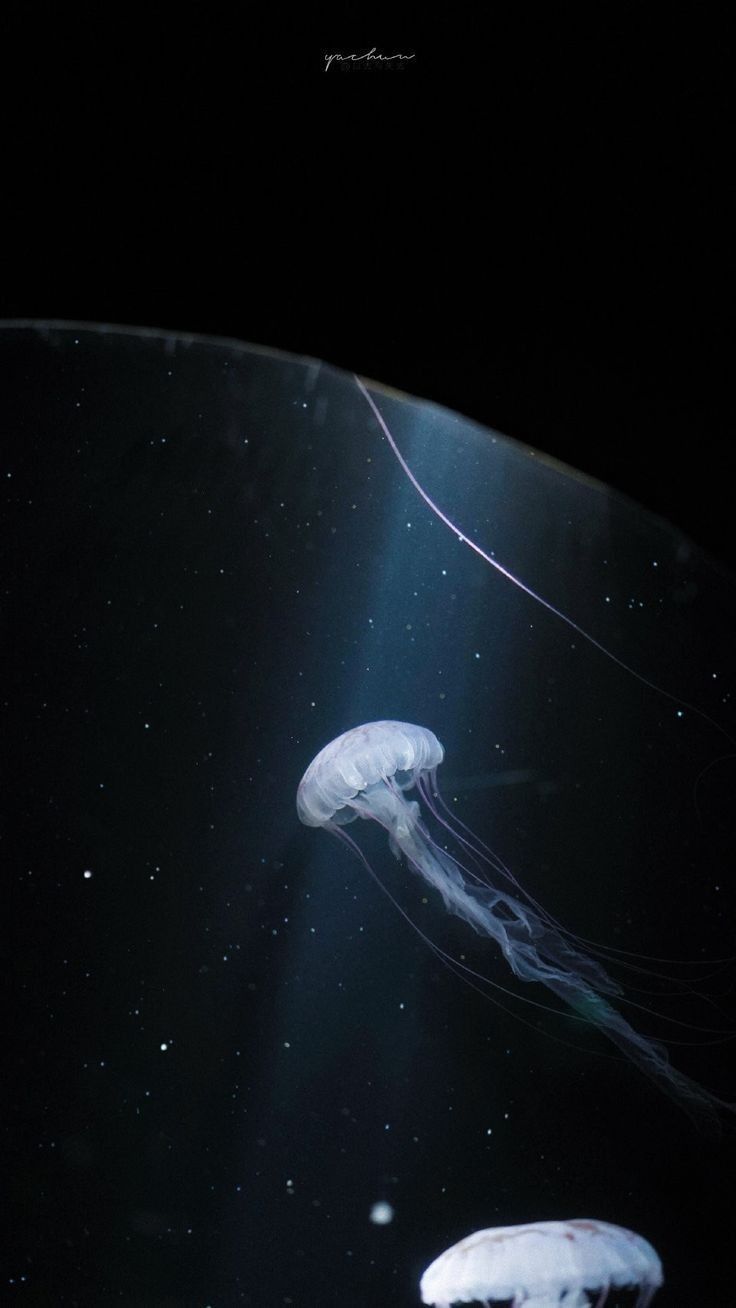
{"points": [[544, 1265], [365, 773]]}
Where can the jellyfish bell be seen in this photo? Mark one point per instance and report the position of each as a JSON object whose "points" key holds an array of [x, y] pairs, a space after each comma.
{"points": [[366, 772], [544, 1265], [360, 772]]}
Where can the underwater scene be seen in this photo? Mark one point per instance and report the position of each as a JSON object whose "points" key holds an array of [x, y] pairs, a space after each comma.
{"points": [[371, 891]]}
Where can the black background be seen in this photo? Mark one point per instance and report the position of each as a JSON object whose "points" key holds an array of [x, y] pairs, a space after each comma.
{"points": [[530, 222]]}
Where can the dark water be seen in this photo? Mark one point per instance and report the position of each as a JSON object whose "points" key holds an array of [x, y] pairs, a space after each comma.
{"points": [[227, 1045]]}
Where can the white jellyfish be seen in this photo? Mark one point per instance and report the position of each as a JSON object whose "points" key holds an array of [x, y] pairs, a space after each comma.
{"points": [[365, 773], [544, 1265]]}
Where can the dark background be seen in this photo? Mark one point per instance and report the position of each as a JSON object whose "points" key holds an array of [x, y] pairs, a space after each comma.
{"points": [[529, 222], [226, 1044]]}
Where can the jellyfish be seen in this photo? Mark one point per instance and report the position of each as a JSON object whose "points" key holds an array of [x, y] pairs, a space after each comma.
{"points": [[544, 1265], [367, 773]]}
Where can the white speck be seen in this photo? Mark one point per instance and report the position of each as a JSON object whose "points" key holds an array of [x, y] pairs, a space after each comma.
{"points": [[163, 1046], [287, 1045], [87, 874], [382, 1213]]}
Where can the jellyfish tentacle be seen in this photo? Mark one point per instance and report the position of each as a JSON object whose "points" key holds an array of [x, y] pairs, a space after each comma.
{"points": [[528, 590], [364, 774]]}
